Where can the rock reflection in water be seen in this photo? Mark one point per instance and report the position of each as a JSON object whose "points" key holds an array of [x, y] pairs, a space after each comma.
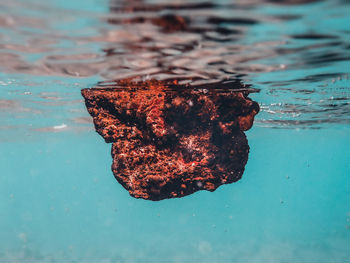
{"points": [[171, 140]]}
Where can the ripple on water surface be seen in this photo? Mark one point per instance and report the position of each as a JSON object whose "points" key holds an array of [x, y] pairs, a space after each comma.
{"points": [[299, 62]]}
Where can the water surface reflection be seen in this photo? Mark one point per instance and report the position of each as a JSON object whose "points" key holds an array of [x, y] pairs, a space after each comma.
{"points": [[298, 61]]}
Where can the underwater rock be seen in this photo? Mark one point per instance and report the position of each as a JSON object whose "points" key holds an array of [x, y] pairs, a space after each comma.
{"points": [[171, 140]]}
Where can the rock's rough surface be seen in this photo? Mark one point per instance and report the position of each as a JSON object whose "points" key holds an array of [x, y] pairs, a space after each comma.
{"points": [[170, 141]]}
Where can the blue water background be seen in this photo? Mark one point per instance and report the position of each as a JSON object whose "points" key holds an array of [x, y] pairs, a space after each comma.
{"points": [[59, 201]]}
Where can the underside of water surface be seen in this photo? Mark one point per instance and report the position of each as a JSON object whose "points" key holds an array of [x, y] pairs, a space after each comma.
{"points": [[289, 201]]}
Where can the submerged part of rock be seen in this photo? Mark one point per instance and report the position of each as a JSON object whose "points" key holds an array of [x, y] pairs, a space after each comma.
{"points": [[171, 140]]}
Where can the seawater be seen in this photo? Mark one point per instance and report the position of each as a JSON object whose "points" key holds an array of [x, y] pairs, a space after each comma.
{"points": [[59, 201]]}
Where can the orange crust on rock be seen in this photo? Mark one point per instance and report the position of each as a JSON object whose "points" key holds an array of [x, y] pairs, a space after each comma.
{"points": [[171, 143]]}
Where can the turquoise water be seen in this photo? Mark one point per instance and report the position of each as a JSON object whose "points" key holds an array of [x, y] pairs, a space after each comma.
{"points": [[59, 201]]}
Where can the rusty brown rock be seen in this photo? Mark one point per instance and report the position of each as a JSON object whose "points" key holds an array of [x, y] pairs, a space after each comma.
{"points": [[169, 140]]}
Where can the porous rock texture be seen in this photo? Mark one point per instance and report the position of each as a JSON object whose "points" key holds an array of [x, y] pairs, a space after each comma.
{"points": [[169, 140]]}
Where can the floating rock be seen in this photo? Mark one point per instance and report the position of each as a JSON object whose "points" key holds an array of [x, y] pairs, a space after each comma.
{"points": [[170, 140]]}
